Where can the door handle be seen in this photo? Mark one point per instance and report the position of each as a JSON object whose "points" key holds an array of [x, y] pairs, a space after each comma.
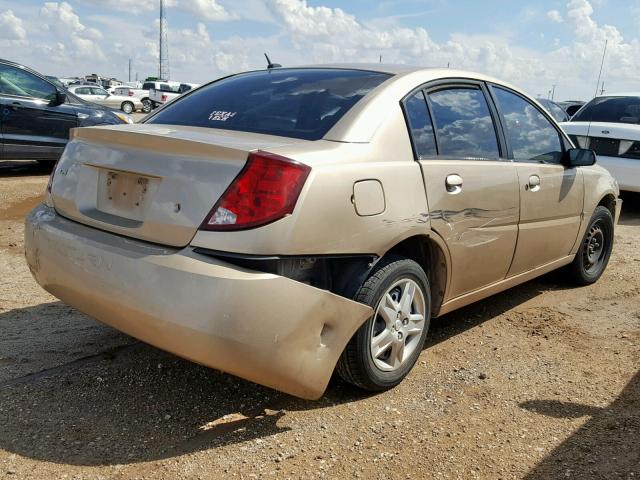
{"points": [[15, 105], [534, 183], [453, 183]]}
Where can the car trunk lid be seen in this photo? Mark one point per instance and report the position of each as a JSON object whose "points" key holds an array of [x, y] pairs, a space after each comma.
{"points": [[150, 182]]}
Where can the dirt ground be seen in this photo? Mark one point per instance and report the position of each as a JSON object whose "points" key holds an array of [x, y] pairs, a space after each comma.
{"points": [[540, 382]]}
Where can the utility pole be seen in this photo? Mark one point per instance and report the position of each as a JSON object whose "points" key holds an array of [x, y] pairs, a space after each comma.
{"points": [[380, 59], [129, 69], [163, 46], [553, 92]]}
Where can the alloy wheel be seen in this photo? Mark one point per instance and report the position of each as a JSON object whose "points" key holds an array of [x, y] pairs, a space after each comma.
{"points": [[398, 325]]}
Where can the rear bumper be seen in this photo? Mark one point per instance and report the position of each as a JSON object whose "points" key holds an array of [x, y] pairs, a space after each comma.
{"points": [[626, 171], [264, 328]]}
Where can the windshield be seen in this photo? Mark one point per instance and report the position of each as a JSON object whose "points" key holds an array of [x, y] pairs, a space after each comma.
{"points": [[610, 109], [298, 103]]}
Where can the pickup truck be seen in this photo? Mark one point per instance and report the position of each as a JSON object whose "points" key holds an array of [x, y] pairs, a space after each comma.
{"points": [[164, 92]]}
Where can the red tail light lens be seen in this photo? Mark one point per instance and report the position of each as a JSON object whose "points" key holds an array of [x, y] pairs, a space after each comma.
{"points": [[164, 98], [266, 190], [131, 93]]}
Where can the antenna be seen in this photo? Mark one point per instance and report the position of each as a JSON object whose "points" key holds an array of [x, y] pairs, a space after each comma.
{"points": [[271, 65], [163, 47], [601, 65], [604, 52]]}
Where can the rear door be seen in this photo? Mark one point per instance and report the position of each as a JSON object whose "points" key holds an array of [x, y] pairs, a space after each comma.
{"points": [[472, 190], [551, 194], [33, 128]]}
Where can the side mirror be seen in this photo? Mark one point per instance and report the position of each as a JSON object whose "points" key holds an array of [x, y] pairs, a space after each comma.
{"points": [[580, 157], [60, 98]]}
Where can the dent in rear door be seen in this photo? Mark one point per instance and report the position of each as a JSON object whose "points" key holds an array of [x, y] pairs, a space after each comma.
{"points": [[473, 203]]}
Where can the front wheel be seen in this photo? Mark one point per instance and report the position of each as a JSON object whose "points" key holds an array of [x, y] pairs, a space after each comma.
{"points": [[127, 107], [595, 250], [385, 349]]}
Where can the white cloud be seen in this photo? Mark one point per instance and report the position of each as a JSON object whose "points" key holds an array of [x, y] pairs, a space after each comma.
{"points": [[554, 16], [300, 33], [11, 27], [207, 9], [77, 40]]}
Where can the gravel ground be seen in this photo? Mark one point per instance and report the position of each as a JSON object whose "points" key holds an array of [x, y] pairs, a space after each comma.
{"points": [[540, 382]]}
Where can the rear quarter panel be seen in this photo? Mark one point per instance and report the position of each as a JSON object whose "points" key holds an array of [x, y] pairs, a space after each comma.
{"points": [[325, 220]]}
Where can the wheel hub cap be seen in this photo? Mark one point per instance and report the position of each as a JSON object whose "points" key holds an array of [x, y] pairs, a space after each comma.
{"points": [[398, 325]]}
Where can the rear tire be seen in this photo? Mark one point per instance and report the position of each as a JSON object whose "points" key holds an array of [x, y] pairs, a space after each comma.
{"points": [[127, 107], [385, 349], [147, 106], [595, 249]]}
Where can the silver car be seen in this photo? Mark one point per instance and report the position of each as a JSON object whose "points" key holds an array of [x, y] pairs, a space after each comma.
{"points": [[100, 96]]}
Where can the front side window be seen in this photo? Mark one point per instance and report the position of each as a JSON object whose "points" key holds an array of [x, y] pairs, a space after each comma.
{"points": [[610, 109], [463, 123], [297, 103], [83, 91], [531, 135], [420, 125], [15, 81]]}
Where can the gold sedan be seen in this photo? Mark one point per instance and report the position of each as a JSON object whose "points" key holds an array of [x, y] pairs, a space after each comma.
{"points": [[284, 223]]}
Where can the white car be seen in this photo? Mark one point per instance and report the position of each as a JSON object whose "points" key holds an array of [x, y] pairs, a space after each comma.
{"points": [[101, 96], [139, 93], [610, 125], [169, 91]]}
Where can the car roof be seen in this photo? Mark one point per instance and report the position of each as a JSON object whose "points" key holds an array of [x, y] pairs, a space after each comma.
{"points": [[622, 94]]}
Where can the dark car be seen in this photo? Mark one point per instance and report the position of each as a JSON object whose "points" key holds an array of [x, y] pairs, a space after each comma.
{"points": [[571, 106], [36, 115], [556, 111]]}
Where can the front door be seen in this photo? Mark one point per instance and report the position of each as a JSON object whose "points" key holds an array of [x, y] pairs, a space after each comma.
{"points": [[551, 195], [33, 127], [472, 191]]}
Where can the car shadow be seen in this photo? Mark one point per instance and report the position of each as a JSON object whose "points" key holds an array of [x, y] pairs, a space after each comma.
{"points": [[605, 446], [135, 403], [630, 215], [139, 404], [24, 168]]}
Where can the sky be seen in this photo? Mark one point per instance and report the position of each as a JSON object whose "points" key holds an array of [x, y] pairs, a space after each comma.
{"points": [[532, 44]]}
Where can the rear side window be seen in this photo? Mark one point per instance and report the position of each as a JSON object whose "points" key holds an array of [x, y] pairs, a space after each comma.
{"points": [[610, 109], [530, 134], [463, 123], [148, 86], [298, 103], [420, 125]]}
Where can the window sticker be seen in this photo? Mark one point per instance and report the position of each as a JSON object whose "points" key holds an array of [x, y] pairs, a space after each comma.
{"points": [[221, 116]]}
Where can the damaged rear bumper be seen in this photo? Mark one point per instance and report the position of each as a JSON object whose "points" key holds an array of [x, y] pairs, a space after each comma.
{"points": [[262, 327]]}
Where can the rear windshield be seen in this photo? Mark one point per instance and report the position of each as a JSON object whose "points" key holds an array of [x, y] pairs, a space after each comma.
{"points": [[298, 103], [610, 109]]}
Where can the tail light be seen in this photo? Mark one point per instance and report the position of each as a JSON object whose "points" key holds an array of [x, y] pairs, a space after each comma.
{"points": [[164, 98], [266, 190], [131, 93]]}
